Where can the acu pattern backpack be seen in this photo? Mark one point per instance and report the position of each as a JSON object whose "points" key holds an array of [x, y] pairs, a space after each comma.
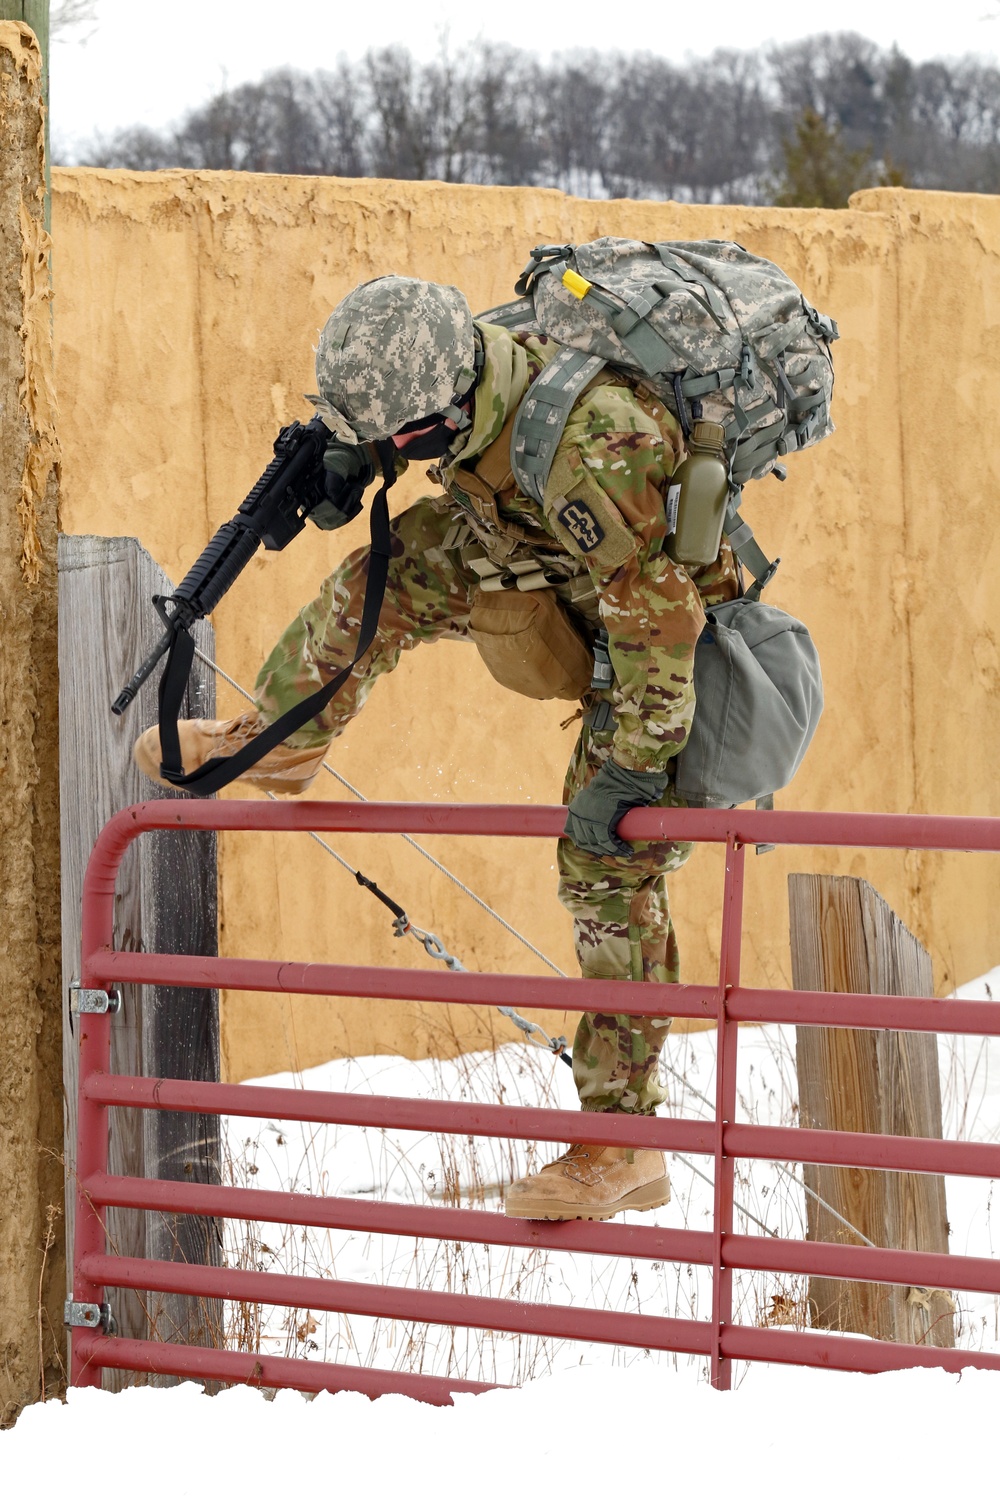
{"points": [[714, 332]]}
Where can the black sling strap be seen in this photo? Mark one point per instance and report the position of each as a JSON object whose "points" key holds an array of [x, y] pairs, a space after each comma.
{"points": [[221, 770]]}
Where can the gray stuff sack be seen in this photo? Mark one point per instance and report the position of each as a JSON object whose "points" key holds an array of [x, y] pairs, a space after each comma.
{"points": [[758, 699]]}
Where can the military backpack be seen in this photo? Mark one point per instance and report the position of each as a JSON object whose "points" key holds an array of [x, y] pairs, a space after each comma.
{"points": [[711, 329], [717, 333]]}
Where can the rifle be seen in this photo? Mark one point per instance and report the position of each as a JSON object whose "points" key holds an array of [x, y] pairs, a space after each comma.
{"points": [[273, 513], [310, 476]]}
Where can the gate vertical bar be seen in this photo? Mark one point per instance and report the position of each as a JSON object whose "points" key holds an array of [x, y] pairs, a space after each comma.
{"points": [[94, 1031], [92, 1156], [725, 1106]]}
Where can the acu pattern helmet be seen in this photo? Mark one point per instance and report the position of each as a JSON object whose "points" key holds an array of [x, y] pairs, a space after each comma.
{"points": [[394, 351]]}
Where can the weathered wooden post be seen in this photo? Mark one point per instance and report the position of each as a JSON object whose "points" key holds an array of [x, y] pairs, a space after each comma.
{"points": [[847, 940], [35, 14], [32, 1274], [166, 901]]}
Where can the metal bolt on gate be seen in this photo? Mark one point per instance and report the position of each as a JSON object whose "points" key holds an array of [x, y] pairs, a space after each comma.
{"points": [[95, 1345]]}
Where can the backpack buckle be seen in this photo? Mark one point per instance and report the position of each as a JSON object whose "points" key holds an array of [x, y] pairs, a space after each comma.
{"points": [[760, 584], [543, 257]]}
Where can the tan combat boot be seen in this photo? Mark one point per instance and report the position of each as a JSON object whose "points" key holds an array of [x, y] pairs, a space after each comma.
{"points": [[591, 1182], [283, 769]]}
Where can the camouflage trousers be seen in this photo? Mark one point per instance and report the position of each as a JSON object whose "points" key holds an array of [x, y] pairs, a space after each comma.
{"points": [[621, 930], [621, 918]]}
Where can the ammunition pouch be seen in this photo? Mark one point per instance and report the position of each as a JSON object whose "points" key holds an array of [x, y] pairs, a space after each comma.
{"points": [[529, 643]]}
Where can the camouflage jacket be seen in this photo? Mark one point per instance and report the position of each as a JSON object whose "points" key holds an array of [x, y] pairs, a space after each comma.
{"points": [[603, 516]]}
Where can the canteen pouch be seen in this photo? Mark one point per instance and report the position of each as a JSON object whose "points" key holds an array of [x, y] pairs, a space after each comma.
{"points": [[758, 700], [529, 643]]}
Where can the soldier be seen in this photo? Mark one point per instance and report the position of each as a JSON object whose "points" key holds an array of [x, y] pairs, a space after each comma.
{"points": [[404, 359]]}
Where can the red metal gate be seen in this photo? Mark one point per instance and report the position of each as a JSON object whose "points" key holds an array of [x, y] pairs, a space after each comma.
{"points": [[725, 1140]]}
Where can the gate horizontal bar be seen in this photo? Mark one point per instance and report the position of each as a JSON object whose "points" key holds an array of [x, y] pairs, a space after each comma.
{"points": [[864, 1012], [482, 1226], [267, 1371], [597, 1326], [473, 1226], [695, 825], [254, 1101], [527, 991], [752, 1142], [840, 1351], [853, 1148], [479, 1226], [920, 1268], [537, 992]]}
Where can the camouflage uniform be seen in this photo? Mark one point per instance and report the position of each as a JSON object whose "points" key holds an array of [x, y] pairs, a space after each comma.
{"points": [[607, 481]]}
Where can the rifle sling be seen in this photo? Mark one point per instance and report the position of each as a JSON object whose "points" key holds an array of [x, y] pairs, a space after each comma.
{"points": [[221, 770]]}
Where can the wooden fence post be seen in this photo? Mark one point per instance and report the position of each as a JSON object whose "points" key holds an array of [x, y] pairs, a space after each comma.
{"points": [[846, 939], [166, 901]]}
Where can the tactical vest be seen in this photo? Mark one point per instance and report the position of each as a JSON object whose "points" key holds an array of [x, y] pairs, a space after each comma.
{"points": [[481, 492]]}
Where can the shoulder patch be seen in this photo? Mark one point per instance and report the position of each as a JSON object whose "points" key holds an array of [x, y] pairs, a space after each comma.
{"points": [[582, 525], [583, 518]]}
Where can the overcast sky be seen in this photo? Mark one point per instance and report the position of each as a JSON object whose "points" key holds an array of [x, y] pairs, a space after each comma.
{"points": [[149, 62]]}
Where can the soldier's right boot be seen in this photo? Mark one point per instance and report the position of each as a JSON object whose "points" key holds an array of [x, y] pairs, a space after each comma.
{"points": [[283, 769], [591, 1182]]}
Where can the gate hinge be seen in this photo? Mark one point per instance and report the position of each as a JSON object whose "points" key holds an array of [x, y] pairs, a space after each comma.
{"points": [[90, 1315], [93, 1002]]}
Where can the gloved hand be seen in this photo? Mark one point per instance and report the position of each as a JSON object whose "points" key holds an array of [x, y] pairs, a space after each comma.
{"points": [[347, 472], [597, 809]]}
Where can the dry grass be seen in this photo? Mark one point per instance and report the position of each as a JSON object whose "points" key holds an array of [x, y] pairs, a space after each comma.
{"points": [[456, 1171], [469, 1172]]}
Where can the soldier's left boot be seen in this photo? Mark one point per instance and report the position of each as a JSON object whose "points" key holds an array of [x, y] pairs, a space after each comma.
{"points": [[283, 769], [591, 1182]]}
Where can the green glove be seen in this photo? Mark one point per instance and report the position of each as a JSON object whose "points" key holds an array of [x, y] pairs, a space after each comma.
{"points": [[596, 810], [348, 470]]}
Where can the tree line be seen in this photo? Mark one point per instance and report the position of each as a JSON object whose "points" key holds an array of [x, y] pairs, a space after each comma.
{"points": [[807, 122]]}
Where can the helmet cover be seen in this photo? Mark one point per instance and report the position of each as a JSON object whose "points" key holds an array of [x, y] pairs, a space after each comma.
{"points": [[393, 351]]}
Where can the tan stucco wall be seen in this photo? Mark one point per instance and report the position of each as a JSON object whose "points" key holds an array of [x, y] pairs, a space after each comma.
{"points": [[187, 307]]}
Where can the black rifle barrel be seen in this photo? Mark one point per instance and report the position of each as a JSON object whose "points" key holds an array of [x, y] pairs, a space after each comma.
{"points": [[128, 692]]}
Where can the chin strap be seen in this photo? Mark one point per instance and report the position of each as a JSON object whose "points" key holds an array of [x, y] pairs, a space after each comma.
{"points": [[220, 771]]}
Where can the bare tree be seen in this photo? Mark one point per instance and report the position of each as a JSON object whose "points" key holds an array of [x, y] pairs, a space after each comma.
{"points": [[509, 90], [340, 111], [598, 123]]}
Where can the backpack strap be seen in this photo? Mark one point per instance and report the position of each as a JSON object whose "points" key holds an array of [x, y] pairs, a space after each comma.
{"points": [[540, 422], [514, 316], [542, 416], [754, 448], [748, 553]]}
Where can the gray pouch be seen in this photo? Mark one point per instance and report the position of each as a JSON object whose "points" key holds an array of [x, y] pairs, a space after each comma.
{"points": [[758, 699]]}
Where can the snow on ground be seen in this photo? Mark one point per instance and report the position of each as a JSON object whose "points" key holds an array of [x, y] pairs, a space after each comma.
{"points": [[913, 1433], [585, 1414], [415, 1168], [423, 1168]]}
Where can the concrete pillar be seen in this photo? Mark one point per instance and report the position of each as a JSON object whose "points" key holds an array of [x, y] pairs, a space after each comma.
{"points": [[32, 1269]]}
